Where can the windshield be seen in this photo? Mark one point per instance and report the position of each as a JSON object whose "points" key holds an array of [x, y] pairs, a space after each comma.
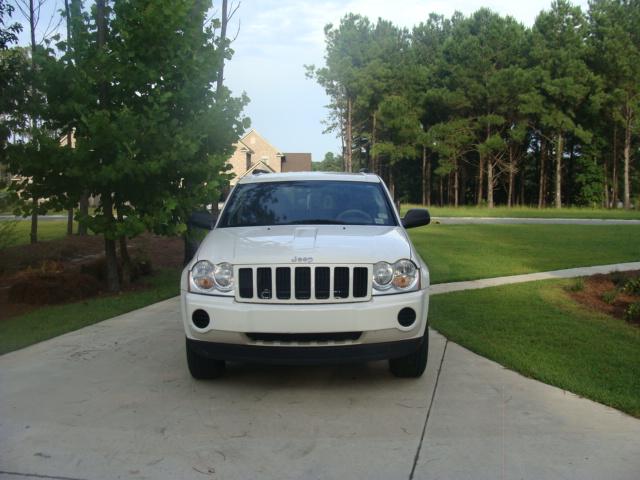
{"points": [[308, 203]]}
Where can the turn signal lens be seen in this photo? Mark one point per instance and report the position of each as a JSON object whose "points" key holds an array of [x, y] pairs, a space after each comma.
{"points": [[404, 274]]}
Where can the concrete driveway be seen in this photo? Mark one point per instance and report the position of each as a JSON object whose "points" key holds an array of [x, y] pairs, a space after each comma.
{"points": [[115, 400]]}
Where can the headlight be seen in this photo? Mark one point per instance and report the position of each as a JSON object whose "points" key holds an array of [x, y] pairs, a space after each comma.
{"points": [[404, 274], [202, 275], [223, 276], [207, 278], [382, 275]]}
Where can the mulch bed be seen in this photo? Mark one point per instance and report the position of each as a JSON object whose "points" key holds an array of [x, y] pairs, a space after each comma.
{"points": [[605, 293], [67, 269]]}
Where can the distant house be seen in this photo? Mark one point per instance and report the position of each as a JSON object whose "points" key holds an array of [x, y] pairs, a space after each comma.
{"points": [[253, 152]]}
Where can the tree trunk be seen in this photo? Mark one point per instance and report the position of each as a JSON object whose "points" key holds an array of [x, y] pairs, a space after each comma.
{"points": [[223, 37], [70, 221], [426, 178], [542, 192], [480, 181], [392, 185], [349, 139], [456, 184], [489, 183], [124, 257], [441, 193], [627, 158], [614, 168], [605, 173], [372, 160], [32, 31], [34, 221], [111, 258], [84, 213], [559, 152]]}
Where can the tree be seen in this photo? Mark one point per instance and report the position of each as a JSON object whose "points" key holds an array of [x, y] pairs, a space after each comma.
{"points": [[565, 83], [330, 163], [616, 43]]}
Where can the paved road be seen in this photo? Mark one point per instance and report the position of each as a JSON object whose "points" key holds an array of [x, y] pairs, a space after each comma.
{"points": [[114, 400]]}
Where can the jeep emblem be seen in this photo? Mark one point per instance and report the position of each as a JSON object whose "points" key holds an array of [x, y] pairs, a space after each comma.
{"points": [[302, 260]]}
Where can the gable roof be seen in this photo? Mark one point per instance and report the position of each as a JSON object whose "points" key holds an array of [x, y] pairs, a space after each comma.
{"points": [[260, 166], [261, 138]]}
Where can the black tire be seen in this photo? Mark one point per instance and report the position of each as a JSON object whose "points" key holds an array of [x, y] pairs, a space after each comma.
{"points": [[413, 365], [203, 368]]}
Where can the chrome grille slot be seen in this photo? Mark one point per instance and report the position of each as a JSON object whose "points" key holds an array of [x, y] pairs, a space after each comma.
{"points": [[303, 284]]}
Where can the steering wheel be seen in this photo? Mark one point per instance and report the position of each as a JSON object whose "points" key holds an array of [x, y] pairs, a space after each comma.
{"points": [[354, 214]]}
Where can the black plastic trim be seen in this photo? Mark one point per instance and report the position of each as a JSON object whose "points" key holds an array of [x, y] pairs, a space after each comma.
{"points": [[305, 355]]}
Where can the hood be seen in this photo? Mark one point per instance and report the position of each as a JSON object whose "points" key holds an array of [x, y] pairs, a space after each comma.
{"points": [[306, 244]]}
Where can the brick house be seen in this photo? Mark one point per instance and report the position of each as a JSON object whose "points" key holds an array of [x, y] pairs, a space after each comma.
{"points": [[254, 152]]}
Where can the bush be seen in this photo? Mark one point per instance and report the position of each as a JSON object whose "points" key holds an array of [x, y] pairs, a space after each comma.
{"points": [[140, 267], [51, 287], [632, 287], [577, 286], [633, 312], [610, 296]]}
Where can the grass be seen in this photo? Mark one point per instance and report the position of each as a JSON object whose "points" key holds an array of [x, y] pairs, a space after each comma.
{"points": [[529, 212], [21, 331], [537, 330], [47, 230], [468, 252]]}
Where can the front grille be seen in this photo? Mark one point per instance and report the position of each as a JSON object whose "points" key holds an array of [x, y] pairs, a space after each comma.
{"points": [[304, 284], [304, 337]]}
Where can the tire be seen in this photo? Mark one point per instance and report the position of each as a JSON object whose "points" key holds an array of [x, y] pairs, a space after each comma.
{"points": [[203, 368], [414, 364]]}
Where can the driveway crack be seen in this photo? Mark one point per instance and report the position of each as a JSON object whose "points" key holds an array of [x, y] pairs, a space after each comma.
{"points": [[426, 420]]}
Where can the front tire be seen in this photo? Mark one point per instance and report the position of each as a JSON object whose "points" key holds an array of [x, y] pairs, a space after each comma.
{"points": [[203, 368], [414, 364]]}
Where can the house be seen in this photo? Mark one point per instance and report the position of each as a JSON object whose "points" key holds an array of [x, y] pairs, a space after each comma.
{"points": [[254, 152]]}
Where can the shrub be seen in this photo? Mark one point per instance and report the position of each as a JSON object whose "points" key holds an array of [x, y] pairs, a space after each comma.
{"points": [[577, 286], [632, 286], [610, 296], [8, 233], [42, 288], [633, 312], [140, 267]]}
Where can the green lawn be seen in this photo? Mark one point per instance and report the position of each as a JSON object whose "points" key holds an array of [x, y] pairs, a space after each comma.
{"points": [[21, 331], [528, 212], [47, 230], [537, 330], [467, 252]]}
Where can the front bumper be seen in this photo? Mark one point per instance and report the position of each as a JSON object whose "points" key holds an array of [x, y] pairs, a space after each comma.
{"points": [[377, 320], [305, 355]]}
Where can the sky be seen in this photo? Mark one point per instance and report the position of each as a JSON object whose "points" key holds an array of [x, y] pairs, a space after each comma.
{"points": [[276, 38]]}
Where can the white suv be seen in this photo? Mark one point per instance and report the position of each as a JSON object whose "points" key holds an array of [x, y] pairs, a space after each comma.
{"points": [[307, 268]]}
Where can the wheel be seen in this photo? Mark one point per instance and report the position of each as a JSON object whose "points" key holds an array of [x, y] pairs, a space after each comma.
{"points": [[203, 368], [414, 364]]}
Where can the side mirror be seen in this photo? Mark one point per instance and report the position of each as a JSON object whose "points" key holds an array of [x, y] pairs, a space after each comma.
{"points": [[416, 217], [204, 220]]}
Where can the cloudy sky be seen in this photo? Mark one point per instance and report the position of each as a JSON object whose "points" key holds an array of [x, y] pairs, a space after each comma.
{"points": [[278, 37]]}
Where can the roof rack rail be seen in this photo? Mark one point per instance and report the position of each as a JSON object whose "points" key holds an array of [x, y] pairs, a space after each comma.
{"points": [[364, 170], [259, 171]]}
